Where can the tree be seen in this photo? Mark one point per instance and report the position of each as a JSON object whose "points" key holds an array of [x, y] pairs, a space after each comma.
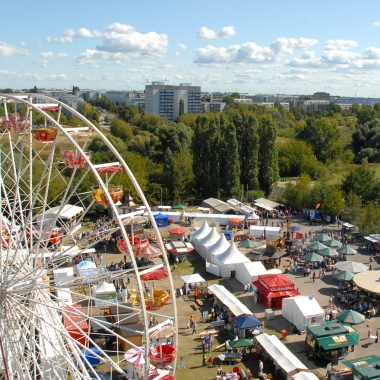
{"points": [[181, 107], [122, 130], [168, 172], [361, 182], [268, 155], [322, 136], [353, 209], [333, 204], [368, 223], [335, 107]]}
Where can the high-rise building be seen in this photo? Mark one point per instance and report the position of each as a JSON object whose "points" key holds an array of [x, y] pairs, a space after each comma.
{"points": [[164, 100]]}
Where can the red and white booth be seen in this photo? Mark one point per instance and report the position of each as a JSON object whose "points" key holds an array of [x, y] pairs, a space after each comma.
{"points": [[272, 288]]}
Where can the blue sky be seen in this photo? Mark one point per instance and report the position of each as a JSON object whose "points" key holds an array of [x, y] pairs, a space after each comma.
{"points": [[291, 47]]}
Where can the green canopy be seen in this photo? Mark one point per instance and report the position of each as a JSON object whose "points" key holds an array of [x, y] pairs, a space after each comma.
{"points": [[333, 243], [351, 316], [338, 341], [323, 238], [241, 343], [347, 250], [179, 207], [314, 258], [248, 244], [344, 275], [329, 252], [317, 246]]}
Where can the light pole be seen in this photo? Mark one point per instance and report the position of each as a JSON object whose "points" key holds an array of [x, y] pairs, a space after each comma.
{"points": [[161, 196]]}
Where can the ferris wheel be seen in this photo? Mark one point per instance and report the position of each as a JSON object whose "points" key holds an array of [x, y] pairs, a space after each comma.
{"points": [[61, 316]]}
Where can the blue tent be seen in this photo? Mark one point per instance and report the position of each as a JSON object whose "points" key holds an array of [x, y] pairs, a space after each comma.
{"points": [[247, 322], [161, 220]]}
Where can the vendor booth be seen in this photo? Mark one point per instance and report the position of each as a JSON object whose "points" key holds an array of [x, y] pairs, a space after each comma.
{"points": [[230, 261], [87, 270], [301, 311], [304, 376], [193, 281], [330, 339], [249, 272], [366, 367], [247, 326], [272, 288], [227, 299], [104, 294], [161, 220], [285, 360]]}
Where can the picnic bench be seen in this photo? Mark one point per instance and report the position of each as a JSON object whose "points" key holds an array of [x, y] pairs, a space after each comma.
{"points": [[199, 302], [204, 333]]}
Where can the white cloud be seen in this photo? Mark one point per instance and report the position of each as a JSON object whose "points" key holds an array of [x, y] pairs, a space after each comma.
{"points": [[41, 63], [49, 54], [372, 53], [340, 44], [69, 35], [205, 33], [122, 38], [250, 52], [340, 57], [7, 50], [377, 23], [182, 46]]}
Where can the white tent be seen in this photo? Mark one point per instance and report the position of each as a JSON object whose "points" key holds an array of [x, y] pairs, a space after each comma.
{"points": [[207, 241], [256, 231], [104, 294], [280, 353], [305, 376], [230, 261], [249, 272], [302, 310], [194, 278], [88, 270], [253, 216], [64, 297], [236, 307], [63, 276], [217, 248], [199, 234]]}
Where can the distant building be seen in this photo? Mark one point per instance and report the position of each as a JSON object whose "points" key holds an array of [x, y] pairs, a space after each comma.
{"points": [[310, 105], [213, 106], [321, 96], [271, 105], [163, 100]]}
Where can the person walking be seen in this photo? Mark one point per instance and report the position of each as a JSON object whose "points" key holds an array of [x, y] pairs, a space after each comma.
{"points": [[368, 332], [203, 347], [204, 361], [196, 294], [194, 328], [191, 321], [313, 276]]}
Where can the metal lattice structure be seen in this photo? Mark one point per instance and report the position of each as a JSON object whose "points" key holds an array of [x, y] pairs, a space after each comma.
{"points": [[46, 326]]}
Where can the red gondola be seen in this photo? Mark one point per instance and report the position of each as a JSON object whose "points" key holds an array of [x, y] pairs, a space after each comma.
{"points": [[44, 134], [139, 244], [75, 160], [16, 125], [162, 355]]}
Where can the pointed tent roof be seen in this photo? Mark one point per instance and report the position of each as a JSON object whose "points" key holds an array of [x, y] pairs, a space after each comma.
{"points": [[86, 264], [219, 247], [202, 232], [232, 256], [246, 322], [104, 287], [211, 238]]}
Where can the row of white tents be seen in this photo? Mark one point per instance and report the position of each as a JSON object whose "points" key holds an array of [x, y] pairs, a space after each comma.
{"points": [[224, 258]]}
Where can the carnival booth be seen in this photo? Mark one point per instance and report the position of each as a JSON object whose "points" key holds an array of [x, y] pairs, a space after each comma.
{"points": [[285, 360], [227, 299], [177, 233], [161, 220], [301, 311], [230, 261], [249, 272], [193, 281], [104, 294], [366, 367], [247, 326], [272, 288]]}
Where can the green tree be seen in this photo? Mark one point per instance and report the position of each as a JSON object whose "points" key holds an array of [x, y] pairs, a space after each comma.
{"points": [[268, 155], [333, 204], [181, 107], [335, 107], [369, 221], [121, 129], [168, 172], [353, 209], [183, 174]]}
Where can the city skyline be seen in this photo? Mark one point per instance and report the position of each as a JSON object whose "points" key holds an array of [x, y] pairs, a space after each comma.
{"points": [[248, 46]]}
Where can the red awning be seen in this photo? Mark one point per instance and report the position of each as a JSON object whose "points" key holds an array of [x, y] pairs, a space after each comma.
{"points": [[274, 294], [178, 231], [155, 275]]}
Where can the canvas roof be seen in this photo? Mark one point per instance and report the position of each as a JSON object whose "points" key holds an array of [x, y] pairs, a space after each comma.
{"points": [[280, 353], [351, 266], [255, 268], [203, 231], [236, 307], [220, 246], [217, 205], [303, 375], [192, 278], [368, 281], [211, 238], [247, 322], [104, 287], [232, 256], [308, 305]]}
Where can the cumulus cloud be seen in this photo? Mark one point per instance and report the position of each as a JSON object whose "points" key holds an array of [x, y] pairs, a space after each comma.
{"points": [[69, 35], [182, 46], [205, 33], [340, 44], [49, 54], [376, 23], [7, 50], [372, 53], [250, 52], [122, 38]]}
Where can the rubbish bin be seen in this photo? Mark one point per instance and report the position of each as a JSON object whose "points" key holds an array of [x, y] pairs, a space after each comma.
{"points": [[283, 333], [170, 221]]}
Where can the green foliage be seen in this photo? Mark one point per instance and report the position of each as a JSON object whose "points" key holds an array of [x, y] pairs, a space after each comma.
{"points": [[188, 119], [88, 111], [333, 203], [335, 107], [121, 129], [288, 133], [368, 222], [296, 157], [323, 136], [366, 141], [353, 209]]}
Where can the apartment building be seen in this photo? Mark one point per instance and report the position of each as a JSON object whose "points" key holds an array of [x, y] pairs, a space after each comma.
{"points": [[164, 100]]}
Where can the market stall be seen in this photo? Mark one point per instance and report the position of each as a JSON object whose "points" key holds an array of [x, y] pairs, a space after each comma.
{"points": [[227, 299], [285, 360], [330, 339], [193, 281], [246, 325], [302, 310], [249, 272], [366, 367], [272, 288], [104, 294]]}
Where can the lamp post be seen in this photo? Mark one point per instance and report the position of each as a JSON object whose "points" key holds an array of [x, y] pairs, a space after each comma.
{"points": [[161, 196]]}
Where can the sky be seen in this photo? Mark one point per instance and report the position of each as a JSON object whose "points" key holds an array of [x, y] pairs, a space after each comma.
{"points": [[248, 46]]}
